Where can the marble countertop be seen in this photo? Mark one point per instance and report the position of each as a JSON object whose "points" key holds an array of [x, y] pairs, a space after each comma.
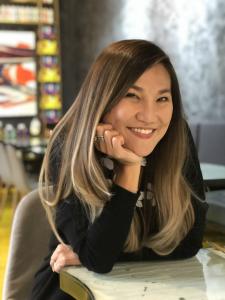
{"points": [[199, 278]]}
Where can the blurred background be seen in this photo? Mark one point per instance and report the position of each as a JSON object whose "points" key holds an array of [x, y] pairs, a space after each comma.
{"points": [[192, 32], [70, 34]]}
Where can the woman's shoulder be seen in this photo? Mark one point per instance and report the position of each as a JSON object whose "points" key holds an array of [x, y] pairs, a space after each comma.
{"points": [[70, 208]]}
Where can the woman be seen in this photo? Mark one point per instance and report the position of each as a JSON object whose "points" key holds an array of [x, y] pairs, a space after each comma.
{"points": [[127, 185]]}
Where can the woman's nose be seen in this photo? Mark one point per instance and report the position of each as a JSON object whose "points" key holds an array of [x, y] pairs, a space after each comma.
{"points": [[147, 113]]}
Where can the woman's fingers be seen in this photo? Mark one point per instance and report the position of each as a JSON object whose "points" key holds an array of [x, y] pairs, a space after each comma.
{"points": [[63, 256], [104, 132], [111, 143], [108, 136], [99, 136], [55, 254], [101, 128], [63, 261]]}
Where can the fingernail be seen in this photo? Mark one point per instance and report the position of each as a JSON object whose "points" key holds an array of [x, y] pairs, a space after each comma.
{"points": [[113, 139]]}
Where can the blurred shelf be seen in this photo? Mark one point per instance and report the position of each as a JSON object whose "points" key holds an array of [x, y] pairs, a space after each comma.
{"points": [[28, 2], [23, 23]]}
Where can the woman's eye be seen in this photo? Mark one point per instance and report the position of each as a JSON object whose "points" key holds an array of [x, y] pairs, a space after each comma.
{"points": [[132, 95], [163, 99]]}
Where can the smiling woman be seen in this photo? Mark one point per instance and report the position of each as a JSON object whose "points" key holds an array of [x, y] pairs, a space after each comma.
{"points": [[143, 116], [122, 162]]}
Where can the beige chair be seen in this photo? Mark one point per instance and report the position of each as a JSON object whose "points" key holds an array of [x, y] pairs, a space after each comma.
{"points": [[15, 179], [19, 176], [6, 178], [28, 246]]}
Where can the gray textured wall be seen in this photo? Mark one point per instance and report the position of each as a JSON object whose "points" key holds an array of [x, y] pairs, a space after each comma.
{"points": [[192, 32]]}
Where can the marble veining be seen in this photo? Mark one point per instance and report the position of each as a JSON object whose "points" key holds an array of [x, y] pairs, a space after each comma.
{"points": [[199, 278]]}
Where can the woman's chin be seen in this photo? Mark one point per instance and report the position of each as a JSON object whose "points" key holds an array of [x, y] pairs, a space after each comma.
{"points": [[142, 152]]}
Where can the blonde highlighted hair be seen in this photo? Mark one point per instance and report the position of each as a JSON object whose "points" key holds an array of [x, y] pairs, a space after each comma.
{"points": [[72, 154]]}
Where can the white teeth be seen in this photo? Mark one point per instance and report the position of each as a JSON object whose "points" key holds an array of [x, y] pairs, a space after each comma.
{"points": [[143, 131]]}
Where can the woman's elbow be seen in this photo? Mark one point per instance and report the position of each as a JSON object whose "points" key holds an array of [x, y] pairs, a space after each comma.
{"points": [[100, 269], [191, 252], [97, 265]]}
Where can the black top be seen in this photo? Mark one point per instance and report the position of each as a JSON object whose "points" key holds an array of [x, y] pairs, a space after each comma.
{"points": [[100, 245]]}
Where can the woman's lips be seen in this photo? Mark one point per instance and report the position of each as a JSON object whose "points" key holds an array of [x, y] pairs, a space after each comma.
{"points": [[142, 133]]}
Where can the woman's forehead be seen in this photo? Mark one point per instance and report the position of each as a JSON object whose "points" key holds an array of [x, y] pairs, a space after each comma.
{"points": [[154, 77]]}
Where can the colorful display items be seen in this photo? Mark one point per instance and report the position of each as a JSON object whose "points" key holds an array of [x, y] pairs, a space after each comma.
{"points": [[50, 89], [18, 85], [49, 75], [47, 32], [50, 102], [47, 47], [49, 61]]}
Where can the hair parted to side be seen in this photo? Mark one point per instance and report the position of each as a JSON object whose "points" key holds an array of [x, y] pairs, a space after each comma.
{"points": [[80, 171]]}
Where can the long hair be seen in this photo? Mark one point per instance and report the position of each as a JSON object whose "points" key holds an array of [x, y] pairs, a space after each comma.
{"points": [[79, 170]]}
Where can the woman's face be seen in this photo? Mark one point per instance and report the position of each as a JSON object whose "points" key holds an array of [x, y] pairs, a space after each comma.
{"points": [[144, 114]]}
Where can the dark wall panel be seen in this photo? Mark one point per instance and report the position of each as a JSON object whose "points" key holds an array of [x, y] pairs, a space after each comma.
{"points": [[86, 27]]}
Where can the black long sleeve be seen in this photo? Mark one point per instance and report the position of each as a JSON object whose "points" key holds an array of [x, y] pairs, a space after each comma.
{"points": [[98, 245]]}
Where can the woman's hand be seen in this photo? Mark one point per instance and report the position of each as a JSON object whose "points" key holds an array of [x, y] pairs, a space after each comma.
{"points": [[63, 256], [127, 171], [111, 143]]}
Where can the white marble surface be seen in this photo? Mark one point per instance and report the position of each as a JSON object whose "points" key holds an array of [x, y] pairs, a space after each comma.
{"points": [[199, 278]]}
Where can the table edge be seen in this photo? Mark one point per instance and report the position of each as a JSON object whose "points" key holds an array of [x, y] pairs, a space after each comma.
{"points": [[76, 288]]}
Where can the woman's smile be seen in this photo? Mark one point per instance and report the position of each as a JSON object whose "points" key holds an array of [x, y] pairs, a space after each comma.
{"points": [[142, 133]]}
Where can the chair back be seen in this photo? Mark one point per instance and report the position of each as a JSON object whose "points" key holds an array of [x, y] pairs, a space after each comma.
{"points": [[5, 168], [29, 243], [19, 176]]}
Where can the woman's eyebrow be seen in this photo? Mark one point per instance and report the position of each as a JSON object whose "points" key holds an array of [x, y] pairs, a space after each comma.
{"points": [[136, 87], [163, 91], [140, 89]]}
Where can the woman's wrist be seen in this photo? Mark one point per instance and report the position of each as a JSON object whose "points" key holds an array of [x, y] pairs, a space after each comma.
{"points": [[127, 176]]}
